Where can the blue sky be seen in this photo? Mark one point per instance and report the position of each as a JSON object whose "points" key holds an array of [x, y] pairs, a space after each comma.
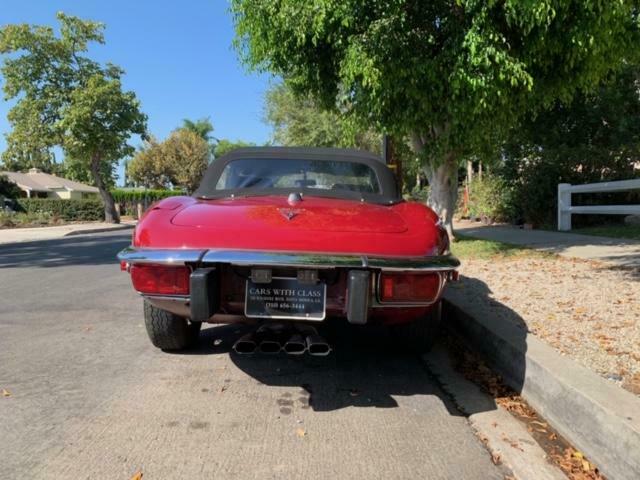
{"points": [[177, 56]]}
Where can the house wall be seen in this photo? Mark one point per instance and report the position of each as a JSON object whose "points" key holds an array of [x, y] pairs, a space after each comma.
{"points": [[71, 195], [61, 194]]}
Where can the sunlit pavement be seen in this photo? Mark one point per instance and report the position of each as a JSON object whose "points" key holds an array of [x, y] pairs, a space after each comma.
{"points": [[89, 397]]}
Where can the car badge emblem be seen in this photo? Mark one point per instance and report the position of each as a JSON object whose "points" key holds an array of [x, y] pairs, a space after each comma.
{"points": [[288, 213]]}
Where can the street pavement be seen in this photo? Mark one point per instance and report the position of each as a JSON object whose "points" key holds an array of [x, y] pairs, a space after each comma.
{"points": [[13, 235], [89, 397]]}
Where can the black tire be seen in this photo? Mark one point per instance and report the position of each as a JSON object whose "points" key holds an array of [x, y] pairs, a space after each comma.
{"points": [[420, 335], [168, 331]]}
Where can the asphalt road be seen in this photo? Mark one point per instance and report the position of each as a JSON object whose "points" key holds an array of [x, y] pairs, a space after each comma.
{"points": [[91, 398]]}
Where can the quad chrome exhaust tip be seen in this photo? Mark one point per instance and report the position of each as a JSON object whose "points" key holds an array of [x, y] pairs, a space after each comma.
{"points": [[296, 345], [246, 345], [317, 346], [269, 339]]}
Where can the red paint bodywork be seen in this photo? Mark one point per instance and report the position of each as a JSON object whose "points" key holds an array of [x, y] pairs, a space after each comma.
{"points": [[318, 225], [325, 225]]}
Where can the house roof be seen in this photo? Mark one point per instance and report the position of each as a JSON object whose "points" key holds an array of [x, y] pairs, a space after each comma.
{"points": [[37, 181]]}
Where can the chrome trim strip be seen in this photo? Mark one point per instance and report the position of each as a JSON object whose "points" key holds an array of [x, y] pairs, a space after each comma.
{"points": [[439, 263], [162, 256], [173, 298], [278, 259]]}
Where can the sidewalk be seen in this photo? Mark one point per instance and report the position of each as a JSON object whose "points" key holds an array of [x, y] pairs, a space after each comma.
{"points": [[613, 251], [15, 235]]}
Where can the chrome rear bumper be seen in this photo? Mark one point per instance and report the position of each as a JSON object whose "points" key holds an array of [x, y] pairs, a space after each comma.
{"points": [[439, 263]]}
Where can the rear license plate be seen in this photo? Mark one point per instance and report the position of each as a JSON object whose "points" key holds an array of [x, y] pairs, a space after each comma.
{"points": [[285, 298]]}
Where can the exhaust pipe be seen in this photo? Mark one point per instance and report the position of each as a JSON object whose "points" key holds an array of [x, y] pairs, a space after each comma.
{"points": [[296, 345], [317, 346], [269, 346], [271, 338], [246, 344]]}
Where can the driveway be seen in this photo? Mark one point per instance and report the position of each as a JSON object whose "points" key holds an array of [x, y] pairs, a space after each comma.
{"points": [[91, 398]]}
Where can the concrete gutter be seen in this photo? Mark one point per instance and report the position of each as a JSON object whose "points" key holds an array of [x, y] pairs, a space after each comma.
{"points": [[112, 228], [597, 417]]}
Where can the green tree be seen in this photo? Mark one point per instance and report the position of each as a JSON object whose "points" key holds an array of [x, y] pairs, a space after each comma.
{"points": [[593, 138], [201, 127], [19, 157], [452, 76], [300, 120], [204, 129], [8, 189], [179, 161], [148, 167], [225, 146], [67, 99]]}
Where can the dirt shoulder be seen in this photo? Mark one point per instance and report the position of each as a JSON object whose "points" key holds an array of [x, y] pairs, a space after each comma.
{"points": [[583, 309]]}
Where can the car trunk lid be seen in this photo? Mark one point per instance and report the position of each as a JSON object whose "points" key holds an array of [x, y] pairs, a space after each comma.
{"points": [[256, 215]]}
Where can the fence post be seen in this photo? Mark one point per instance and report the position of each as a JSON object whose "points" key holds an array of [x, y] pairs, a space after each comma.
{"points": [[564, 207], [140, 210]]}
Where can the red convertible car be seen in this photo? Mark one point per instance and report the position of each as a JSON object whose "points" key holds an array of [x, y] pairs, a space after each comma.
{"points": [[284, 238]]}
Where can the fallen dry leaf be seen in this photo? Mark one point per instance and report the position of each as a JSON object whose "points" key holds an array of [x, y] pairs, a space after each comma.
{"points": [[137, 475], [300, 432], [6, 393]]}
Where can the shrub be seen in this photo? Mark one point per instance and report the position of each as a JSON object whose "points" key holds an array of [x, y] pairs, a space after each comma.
{"points": [[491, 198], [67, 210], [149, 196], [16, 219], [419, 194]]}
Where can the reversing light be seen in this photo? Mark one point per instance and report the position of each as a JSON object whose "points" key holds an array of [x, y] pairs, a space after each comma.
{"points": [[160, 279], [408, 287]]}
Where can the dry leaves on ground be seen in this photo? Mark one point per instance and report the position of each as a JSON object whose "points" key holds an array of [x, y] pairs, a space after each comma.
{"points": [[568, 459]]}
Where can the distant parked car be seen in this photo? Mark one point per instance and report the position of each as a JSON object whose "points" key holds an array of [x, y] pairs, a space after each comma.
{"points": [[286, 237]]}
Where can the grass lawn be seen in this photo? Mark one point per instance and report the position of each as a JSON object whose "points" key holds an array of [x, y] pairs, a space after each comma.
{"points": [[468, 247], [616, 231]]}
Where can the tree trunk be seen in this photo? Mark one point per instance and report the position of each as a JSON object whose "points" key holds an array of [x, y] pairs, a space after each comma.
{"points": [[442, 175], [110, 213]]}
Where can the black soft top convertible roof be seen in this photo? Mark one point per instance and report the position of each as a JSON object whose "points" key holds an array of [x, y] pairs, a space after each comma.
{"points": [[388, 192]]}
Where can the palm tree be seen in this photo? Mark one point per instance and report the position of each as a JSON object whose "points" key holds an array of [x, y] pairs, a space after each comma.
{"points": [[201, 127]]}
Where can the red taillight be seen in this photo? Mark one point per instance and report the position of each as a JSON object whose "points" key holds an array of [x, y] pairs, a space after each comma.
{"points": [[409, 287], [160, 279]]}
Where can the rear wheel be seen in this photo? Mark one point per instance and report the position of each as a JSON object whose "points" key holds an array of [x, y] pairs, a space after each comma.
{"points": [[168, 331], [420, 335]]}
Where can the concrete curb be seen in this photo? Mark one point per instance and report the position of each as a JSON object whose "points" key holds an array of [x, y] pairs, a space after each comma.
{"points": [[600, 419], [504, 436], [99, 230]]}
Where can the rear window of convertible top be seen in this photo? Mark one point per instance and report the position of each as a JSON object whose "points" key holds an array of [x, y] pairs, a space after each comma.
{"points": [[291, 173]]}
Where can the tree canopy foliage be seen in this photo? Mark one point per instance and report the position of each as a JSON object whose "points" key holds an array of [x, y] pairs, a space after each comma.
{"points": [[593, 138], [66, 99], [300, 120], [453, 76], [179, 161], [224, 146]]}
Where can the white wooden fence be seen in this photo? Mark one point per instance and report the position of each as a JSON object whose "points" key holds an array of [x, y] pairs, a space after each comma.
{"points": [[565, 209]]}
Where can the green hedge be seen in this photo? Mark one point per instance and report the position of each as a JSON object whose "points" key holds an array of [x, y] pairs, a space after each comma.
{"points": [[68, 210], [124, 196]]}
